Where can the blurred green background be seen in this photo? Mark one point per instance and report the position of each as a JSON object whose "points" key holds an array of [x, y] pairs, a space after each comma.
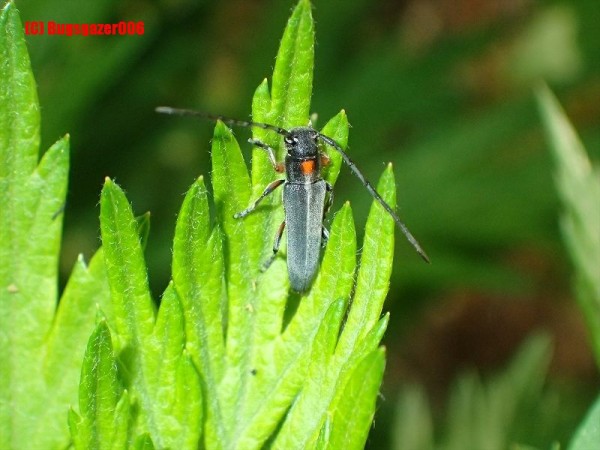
{"points": [[441, 88]]}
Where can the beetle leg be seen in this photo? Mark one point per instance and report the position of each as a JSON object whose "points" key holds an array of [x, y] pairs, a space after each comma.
{"points": [[270, 188], [277, 166], [276, 243]]}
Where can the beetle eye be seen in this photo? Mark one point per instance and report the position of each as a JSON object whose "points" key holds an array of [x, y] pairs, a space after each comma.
{"points": [[289, 140]]}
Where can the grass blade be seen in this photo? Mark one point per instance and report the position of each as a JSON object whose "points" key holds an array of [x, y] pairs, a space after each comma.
{"points": [[578, 184]]}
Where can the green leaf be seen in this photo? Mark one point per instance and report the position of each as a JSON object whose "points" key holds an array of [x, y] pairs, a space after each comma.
{"points": [[279, 377], [156, 368], [287, 106], [247, 393], [172, 383], [143, 224], [323, 440], [375, 268], [133, 307], [28, 276], [187, 406], [19, 109], [32, 199], [198, 278], [355, 407], [337, 129], [578, 185], [220, 312], [144, 442], [86, 291], [231, 186], [269, 385], [262, 170], [335, 278], [587, 435], [260, 320], [103, 404], [293, 74], [327, 336], [218, 355], [325, 382]]}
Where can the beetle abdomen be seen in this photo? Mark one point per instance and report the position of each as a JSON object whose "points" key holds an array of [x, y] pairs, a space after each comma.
{"points": [[304, 204]]}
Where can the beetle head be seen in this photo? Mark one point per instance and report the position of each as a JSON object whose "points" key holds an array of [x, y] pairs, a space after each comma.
{"points": [[302, 142]]}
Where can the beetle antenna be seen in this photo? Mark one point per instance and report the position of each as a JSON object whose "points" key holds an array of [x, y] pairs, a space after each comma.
{"points": [[411, 239], [214, 118]]}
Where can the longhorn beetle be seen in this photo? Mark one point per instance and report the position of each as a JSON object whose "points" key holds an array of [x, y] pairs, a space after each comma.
{"points": [[304, 193]]}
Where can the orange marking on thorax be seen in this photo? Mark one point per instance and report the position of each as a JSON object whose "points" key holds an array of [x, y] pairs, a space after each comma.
{"points": [[307, 167]]}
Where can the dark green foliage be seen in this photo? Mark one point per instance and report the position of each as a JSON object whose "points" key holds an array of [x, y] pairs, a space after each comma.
{"points": [[578, 185], [493, 415]]}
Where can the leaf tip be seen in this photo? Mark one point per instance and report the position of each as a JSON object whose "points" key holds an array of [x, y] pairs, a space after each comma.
{"points": [[387, 182], [383, 323], [222, 131], [8, 6], [81, 261]]}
